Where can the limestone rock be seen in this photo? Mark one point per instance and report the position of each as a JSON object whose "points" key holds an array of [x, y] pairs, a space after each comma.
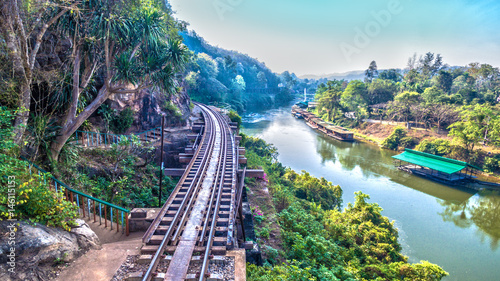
{"points": [[39, 248]]}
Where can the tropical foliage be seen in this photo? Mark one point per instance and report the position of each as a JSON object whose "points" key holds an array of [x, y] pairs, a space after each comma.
{"points": [[427, 93], [25, 193], [234, 80], [324, 242]]}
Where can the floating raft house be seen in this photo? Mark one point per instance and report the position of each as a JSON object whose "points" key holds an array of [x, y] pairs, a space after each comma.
{"points": [[435, 167]]}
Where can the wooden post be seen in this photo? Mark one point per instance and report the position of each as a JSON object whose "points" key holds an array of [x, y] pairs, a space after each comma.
{"points": [[126, 225], [161, 160], [83, 206], [240, 210]]}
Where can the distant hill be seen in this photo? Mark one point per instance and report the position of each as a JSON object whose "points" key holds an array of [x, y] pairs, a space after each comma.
{"points": [[219, 76], [358, 74], [350, 75], [198, 45]]}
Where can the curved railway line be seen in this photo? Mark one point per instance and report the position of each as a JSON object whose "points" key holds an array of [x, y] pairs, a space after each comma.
{"points": [[197, 221]]}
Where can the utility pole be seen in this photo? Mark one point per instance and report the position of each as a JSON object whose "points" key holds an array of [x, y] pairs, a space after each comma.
{"points": [[161, 159]]}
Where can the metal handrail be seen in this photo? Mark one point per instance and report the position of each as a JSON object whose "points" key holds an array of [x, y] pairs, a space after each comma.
{"points": [[88, 198], [108, 138]]}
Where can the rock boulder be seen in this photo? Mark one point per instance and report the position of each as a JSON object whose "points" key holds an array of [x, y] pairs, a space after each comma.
{"points": [[39, 249]]}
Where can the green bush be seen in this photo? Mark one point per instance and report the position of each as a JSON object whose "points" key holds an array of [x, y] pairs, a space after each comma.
{"points": [[171, 109], [234, 117], [41, 205], [320, 239], [434, 146], [279, 272], [319, 191], [271, 253], [26, 195], [122, 122], [491, 165], [408, 142], [394, 140]]}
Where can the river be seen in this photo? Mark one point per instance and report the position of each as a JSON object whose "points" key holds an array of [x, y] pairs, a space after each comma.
{"points": [[455, 228]]}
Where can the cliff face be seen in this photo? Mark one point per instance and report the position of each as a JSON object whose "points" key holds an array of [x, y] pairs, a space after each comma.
{"points": [[149, 105]]}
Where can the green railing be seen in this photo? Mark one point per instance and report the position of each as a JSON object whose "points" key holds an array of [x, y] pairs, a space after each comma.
{"points": [[86, 138], [89, 206]]}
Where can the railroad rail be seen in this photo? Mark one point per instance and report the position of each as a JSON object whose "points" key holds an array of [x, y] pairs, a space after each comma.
{"points": [[198, 219]]}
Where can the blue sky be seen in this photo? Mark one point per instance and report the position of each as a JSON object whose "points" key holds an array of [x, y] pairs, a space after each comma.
{"points": [[327, 36]]}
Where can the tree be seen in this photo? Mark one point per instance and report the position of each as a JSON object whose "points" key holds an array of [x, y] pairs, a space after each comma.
{"points": [[372, 72], [444, 81], [354, 98], [433, 95], [206, 66], [129, 45], [391, 74], [381, 91], [402, 104], [412, 62], [288, 79], [23, 30], [478, 122], [421, 112], [328, 97], [262, 80], [443, 113], [430, 64]]}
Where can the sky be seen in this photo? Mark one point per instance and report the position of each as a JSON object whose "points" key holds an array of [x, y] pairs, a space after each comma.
{"points": [[332, 36]]}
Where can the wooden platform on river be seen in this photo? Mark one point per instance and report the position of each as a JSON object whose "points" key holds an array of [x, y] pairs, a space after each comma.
{"points": [[436, 175]]}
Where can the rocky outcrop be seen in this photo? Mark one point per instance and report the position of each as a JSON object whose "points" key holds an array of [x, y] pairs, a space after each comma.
{"points": [[149, 105], [38, 249]]}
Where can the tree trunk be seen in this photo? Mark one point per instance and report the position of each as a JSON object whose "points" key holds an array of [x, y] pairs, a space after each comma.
{"points": [[72, 123], [19, 62], [22, 55], [21, 121]]}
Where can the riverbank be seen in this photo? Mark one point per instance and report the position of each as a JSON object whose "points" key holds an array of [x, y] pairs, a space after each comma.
{"points": [[377, 133], [426, 213], [320, 240], [382, 134]]}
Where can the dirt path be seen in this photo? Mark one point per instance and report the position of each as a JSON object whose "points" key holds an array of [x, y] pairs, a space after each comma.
{"points": [[97, 265]]}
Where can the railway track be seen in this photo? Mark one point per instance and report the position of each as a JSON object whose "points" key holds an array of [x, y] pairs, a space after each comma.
{"points": [[196, 222]]}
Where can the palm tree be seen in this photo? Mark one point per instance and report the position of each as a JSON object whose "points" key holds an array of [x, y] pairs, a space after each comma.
{"points": [[128, 48]]}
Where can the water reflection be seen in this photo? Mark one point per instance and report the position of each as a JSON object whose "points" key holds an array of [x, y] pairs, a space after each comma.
{"points": [[375, 162], [464, 226], [483, 211]]}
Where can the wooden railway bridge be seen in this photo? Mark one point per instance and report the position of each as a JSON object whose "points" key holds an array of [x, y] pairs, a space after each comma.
{"points": [[201, 219]]}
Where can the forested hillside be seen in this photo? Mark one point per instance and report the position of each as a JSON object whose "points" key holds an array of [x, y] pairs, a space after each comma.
{"points": [[229, 78]]}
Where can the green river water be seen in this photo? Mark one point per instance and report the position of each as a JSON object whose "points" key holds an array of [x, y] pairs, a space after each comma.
{"points": [[456, 228]]}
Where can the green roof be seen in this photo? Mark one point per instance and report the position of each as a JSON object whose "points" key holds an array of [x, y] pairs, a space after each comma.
{"points": [[434, 162]]}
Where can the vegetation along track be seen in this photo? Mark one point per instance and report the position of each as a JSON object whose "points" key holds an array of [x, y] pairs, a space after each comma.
{"points": [[197, 220]]}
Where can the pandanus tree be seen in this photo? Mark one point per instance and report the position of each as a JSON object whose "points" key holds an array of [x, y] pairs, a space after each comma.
{"points": [[126, 46]]}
